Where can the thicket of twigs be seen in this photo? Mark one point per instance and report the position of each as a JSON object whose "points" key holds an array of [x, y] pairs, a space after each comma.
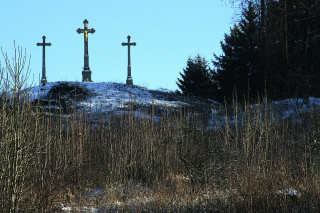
{"points": [[251, 163]]}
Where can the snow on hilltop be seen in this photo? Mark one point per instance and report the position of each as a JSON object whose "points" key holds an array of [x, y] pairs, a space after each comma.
{"points": [[111, 96]]}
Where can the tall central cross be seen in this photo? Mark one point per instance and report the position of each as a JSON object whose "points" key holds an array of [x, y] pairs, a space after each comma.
{"points": [[86, 73], [43, 44], [129, 77]]}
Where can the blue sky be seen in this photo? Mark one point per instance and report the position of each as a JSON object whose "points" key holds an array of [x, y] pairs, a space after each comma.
{"points": [[167, 33]]}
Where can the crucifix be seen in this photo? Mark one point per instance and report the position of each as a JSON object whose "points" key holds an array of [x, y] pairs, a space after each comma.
{"points": [[129, 77], [43, 44], [86, 73]]}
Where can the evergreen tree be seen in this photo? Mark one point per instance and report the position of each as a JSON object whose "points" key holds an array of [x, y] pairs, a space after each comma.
{"points": [[196, 79], [239, 68], [289, 45]]}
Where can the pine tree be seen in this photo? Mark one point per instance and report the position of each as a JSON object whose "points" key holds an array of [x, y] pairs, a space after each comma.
{"points": [[196, 79], [239, 68]]}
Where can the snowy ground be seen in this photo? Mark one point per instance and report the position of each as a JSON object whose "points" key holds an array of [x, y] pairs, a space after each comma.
{"points": [[292, 110], [112, 96]]}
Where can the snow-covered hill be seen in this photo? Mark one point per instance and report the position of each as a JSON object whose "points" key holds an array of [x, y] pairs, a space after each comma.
{"points": [[108, 96], [117, 97]]}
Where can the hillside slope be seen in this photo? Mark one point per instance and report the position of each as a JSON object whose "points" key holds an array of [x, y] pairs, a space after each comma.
{"points": [[108, 96]]}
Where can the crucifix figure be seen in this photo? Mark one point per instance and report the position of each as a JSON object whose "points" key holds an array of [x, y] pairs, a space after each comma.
{"points": [[43, 44], [129, 77], [86, 73]]}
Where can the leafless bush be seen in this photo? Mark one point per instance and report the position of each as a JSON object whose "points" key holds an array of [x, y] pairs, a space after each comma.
{"points": [[16, 142]]}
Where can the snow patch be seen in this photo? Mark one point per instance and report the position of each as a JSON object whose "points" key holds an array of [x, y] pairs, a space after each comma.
{"points": [[109, 96]]}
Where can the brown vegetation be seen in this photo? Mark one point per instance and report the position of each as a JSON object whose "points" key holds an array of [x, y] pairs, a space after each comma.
{"points": [[143, 164]]}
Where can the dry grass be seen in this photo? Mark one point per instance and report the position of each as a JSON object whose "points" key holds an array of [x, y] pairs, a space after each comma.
{"points": [[252, 162], [175, 164]]}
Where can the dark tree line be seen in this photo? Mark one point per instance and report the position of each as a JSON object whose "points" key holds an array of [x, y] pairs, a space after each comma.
{"points": [[239, 68], [273, 50], [292, 38]]}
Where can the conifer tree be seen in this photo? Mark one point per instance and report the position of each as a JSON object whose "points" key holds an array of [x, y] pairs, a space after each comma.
{"points": [[196, 78], [239, 68]]}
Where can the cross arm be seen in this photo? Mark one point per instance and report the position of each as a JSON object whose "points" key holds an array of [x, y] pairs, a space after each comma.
{"points": [[80, 30], [91, 31], [43, 44], [85, 30], [129, 44]]}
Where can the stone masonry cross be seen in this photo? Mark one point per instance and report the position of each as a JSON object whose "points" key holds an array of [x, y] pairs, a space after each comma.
{"points": [[129, 77], [44, 44], [86, 73]]}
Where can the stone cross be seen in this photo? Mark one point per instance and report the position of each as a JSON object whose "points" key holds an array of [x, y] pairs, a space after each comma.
{"points": [[129, 77], [43, 44], [86, 73]]}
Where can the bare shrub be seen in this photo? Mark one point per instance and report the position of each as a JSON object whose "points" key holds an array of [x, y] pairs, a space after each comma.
{"points": [[16, 145]]}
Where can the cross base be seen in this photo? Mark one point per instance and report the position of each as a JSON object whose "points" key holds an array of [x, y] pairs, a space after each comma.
{"points": [[129, 81], [86, 75], [43, 81]]}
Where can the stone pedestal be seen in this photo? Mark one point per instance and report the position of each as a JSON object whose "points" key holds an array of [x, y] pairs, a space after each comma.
{"points": [[129, 81], [86, 76], [43, 81]]}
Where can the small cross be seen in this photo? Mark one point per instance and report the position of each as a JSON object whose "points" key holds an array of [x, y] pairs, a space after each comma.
{"points": [[86, 73], [43, 44], [129, 77]]}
